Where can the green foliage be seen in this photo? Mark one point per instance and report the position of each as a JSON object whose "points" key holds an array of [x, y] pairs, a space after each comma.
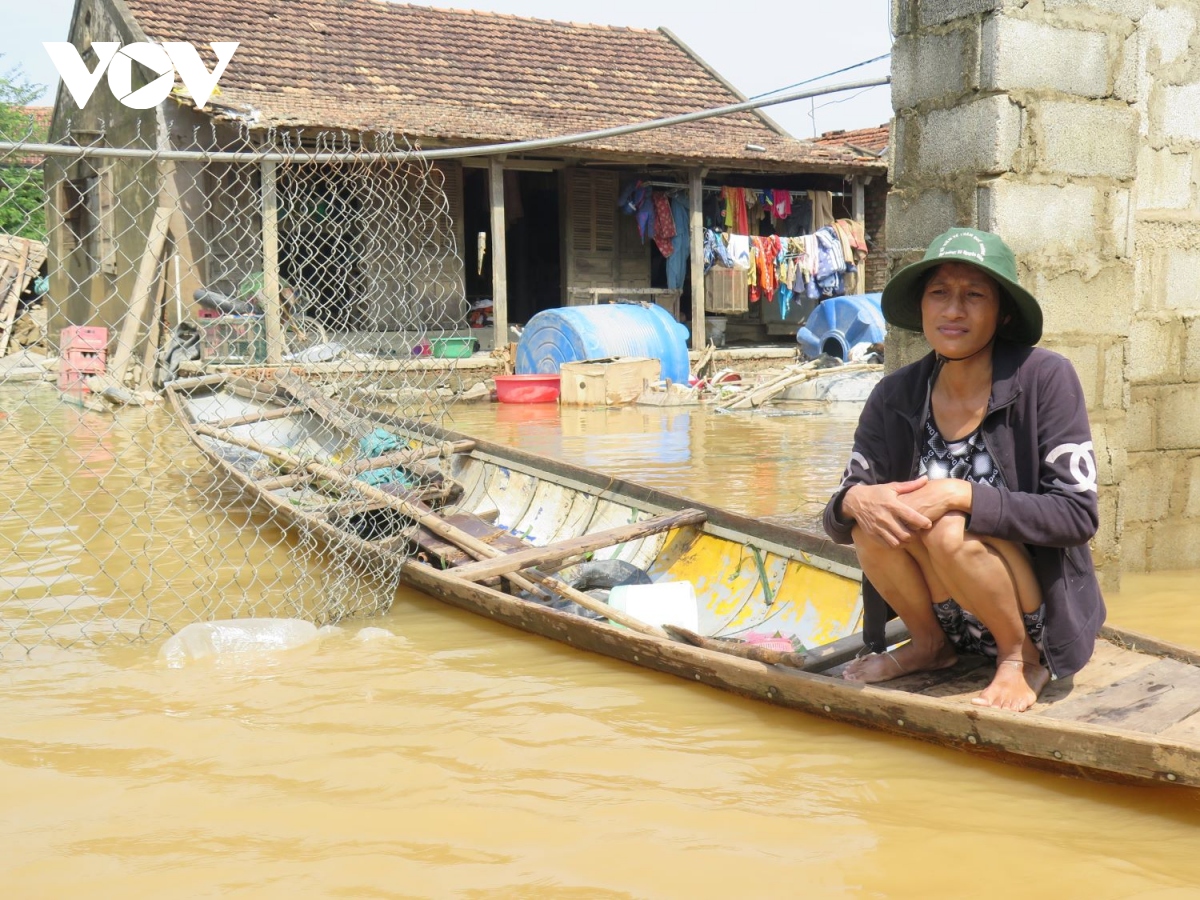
{"points": [[22, 202], [22, 192]]}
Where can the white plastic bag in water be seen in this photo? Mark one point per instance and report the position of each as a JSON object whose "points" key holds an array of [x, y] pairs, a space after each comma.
{"points": [[235, 636]]}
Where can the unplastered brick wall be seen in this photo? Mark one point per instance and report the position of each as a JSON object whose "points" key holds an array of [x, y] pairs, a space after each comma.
{"points": [[1072, 128], [875, 202]]}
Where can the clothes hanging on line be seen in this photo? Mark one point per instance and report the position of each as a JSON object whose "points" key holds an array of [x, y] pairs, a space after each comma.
{"points": [[823, 264], [635, 200], [682, 248], [739, 249], [664, 224], [736, 217], [822, 213]]}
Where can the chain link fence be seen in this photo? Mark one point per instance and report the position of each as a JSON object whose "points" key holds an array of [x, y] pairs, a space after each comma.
{"points": [[131, 262]]}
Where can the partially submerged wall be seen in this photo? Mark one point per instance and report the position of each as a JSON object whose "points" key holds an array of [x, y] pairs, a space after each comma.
{"points": [[1072, 128]]}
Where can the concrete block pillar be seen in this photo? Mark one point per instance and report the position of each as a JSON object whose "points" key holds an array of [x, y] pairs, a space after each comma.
{"points": [[1054, 124]]}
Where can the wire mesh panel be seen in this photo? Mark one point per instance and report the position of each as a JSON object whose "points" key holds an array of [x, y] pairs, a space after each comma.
{"points": [[199, 329]]}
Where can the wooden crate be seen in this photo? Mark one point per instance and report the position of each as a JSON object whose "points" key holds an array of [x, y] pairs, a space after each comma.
{"points": [[606, 382], [726, 291]]}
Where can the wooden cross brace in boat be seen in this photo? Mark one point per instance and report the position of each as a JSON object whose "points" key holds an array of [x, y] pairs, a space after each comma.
{"points": [[587, 543]]}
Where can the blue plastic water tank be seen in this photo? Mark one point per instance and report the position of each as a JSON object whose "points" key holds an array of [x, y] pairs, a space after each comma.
{"points": [[575, 333], [839, 323]]}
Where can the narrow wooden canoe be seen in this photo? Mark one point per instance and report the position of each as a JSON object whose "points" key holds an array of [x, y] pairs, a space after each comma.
{"points": [[1133, 714]]}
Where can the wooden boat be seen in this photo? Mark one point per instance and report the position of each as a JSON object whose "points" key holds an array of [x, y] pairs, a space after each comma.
{"points": [[490, 523]]}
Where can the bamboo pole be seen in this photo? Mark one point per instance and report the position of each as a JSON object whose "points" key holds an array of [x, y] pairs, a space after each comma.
{"points": [[387, 460], [771, 389], [143, 285], [155, 332], [735, 648], [587, 543], [266, 415]]}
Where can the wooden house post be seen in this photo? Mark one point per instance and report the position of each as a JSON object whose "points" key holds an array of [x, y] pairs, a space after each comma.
{"points": [[499, 259], [860, 215], [270, 250], [696, 222]]}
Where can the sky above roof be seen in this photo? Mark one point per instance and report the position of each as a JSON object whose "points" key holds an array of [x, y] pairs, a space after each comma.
{"points": [[757, 48]]}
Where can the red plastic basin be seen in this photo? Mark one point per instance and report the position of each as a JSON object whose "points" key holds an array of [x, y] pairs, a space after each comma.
{"points": [[527, 388]]}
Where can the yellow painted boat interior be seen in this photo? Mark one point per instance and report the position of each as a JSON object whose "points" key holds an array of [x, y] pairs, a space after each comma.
{"points": [[741, 588]]}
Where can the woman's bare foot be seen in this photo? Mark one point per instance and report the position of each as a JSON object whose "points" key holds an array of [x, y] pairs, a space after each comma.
{"points": [[904, 660], [1016, 686]]}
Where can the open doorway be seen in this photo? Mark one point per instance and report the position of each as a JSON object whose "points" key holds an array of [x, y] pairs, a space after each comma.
{"points": [[534, 254], [532, 240]]}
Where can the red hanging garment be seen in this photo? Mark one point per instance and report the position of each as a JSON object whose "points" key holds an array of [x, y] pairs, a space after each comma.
{"points": [[664, 224]]}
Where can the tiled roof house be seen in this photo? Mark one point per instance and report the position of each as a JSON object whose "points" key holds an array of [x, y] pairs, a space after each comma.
{"points": [[459, 79], [455, 77], [863, 141], [35, 126]]}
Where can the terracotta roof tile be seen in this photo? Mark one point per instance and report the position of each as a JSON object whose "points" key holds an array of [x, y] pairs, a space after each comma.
{"points": [[461, 77], [869, 141]]}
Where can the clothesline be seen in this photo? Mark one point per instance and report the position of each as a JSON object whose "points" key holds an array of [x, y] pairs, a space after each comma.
{"points": [[711, 189]]}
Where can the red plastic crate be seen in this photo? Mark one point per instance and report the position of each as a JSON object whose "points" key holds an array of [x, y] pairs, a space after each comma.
{"points": [[73, 380], [83, 337], [89, 361]]}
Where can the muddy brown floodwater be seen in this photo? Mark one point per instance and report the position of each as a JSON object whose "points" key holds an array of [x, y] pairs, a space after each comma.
{"points": [[459, 758]]}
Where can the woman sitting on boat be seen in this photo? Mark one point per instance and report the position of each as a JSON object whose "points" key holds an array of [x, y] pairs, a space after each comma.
{"points": [[970, 495]]}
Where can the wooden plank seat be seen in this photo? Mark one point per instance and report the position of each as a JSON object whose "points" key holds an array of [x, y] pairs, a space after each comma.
{"points": [[447, 555]]}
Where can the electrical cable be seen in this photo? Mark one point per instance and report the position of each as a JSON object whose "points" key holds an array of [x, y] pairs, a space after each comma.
{"points": [[857, 65]]}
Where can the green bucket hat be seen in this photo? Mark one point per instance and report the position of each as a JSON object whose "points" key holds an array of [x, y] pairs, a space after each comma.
{"points": [[902, 297]]}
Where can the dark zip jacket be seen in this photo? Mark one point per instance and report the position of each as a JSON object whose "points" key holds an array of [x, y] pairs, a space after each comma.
{"points": [[1036, 429]]}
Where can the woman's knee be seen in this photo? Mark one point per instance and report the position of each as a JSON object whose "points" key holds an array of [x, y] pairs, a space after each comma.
{"points": [[868, 546], [947, 539]]}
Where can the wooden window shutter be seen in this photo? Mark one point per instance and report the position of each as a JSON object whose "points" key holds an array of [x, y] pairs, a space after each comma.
{"points": [[580, 192], [427, 191], [593, 211], [604, 192]]}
